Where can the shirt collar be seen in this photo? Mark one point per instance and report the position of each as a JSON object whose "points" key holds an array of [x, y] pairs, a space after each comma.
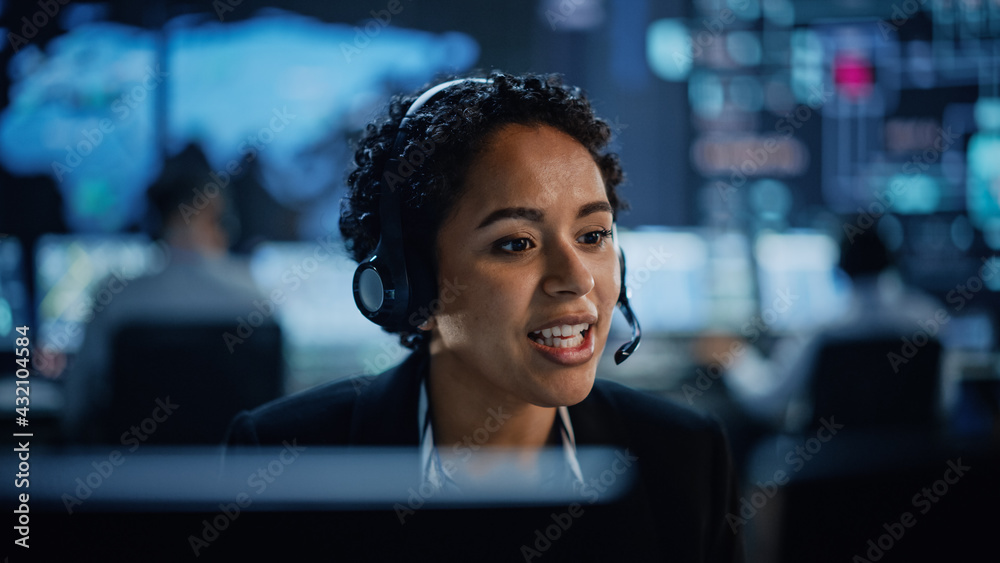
{"points": [[434, 473]]}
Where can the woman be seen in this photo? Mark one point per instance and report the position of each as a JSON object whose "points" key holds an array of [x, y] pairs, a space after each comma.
{"points": [[506, 202]]}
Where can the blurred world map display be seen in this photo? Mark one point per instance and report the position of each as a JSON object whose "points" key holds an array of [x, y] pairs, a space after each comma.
{"points": [[99, 106]]}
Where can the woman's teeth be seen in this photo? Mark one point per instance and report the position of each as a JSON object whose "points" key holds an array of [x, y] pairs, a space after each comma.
{"points": [[565, 336]]}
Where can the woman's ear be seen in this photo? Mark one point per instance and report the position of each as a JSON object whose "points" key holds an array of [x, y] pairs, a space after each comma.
{"points": [[427, 325]]}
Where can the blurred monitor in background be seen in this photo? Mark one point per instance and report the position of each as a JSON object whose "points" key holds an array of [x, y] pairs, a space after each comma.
{"points": [[800, 268], [686, 281], [77, 276], [308, 286], [667, 276], [199, 283], [13, 293]]}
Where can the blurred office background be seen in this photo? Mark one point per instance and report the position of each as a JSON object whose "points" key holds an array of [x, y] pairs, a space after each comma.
{"points": [[754, 133]]}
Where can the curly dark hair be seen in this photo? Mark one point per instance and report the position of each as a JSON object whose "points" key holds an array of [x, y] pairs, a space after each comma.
{"points": [[446, 134]]}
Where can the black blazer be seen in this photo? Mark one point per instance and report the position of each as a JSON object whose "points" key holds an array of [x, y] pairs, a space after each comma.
{"points": [[675, 511]]}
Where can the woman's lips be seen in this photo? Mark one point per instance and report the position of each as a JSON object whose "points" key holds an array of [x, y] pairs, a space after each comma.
{"points": [[575, 355]]}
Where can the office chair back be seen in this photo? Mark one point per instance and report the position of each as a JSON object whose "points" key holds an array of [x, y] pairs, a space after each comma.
{"points": [[156, 366], [872, 383]]}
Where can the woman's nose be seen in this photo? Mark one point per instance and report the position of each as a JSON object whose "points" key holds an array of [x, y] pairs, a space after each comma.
{"points": [[566, 272]]}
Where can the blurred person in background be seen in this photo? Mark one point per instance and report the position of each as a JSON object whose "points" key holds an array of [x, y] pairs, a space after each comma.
{"points": [[507, 201], [775, 389], [200, 281]]}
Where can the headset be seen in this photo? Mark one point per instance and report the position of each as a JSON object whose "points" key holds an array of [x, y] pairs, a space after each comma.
{"points": [[392, 287]]}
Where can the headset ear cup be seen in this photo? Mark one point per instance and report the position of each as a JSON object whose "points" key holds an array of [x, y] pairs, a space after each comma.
{"points": [[369, 289], [381, 292]]}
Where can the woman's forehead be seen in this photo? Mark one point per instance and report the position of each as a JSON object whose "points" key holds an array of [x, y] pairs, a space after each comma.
{"points": [[531, 166]]}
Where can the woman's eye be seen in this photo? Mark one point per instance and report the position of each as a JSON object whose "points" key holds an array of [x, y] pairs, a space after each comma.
{"points": [[515, 245], [596, 237]]}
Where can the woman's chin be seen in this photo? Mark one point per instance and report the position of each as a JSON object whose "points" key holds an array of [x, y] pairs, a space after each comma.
{"points": [[567, 392]]}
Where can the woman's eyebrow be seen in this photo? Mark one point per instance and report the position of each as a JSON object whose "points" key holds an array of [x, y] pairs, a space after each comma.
{"points": [[595, 207], [536, 215], [528, 213]]}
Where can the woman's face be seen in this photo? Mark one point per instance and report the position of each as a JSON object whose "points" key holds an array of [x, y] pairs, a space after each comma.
{"points": [[528, 272]]}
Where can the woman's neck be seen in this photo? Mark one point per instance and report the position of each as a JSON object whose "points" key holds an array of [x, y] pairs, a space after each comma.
{"points": [[468, 412]]}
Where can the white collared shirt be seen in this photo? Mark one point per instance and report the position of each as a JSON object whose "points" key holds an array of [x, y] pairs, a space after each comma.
{"points": [[434, 473]]}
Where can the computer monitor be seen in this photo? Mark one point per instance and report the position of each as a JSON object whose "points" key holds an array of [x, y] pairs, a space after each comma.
{"points": [[69, 273], [14, 308], [667, 276], [326, 337], [798, 283], [356, 504], [970, 330]]}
